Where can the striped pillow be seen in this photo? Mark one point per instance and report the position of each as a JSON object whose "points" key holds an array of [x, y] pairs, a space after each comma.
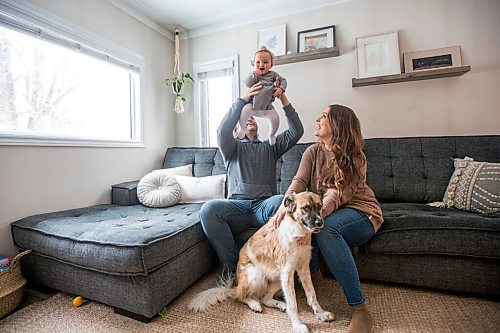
{"points": [[474, 186]]}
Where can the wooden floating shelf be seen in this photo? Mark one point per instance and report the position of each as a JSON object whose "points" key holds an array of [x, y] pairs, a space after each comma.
{"points": [[306, 56], [413, 76]]}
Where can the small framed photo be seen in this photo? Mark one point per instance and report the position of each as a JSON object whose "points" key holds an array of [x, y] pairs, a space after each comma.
{"points": [[315, 39], [378, 55], [432, 59], [274, 38]]}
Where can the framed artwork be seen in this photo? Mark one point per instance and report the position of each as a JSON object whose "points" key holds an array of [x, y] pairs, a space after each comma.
{"points": [[274, 38], [315, 39], [378, 55], [432, 59]]}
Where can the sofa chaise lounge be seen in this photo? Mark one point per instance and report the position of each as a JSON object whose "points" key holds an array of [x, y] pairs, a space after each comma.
{"points": [[138, 259]]}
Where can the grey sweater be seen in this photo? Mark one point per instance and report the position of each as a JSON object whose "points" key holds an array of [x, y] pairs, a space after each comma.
{"points": [[251, 165], [264, 99]]}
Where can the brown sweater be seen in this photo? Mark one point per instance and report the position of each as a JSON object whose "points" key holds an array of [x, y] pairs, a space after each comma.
{"points": [[358, 196]]}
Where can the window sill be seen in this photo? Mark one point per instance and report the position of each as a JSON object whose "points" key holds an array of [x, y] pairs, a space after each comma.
{"points": [[62, 142]]}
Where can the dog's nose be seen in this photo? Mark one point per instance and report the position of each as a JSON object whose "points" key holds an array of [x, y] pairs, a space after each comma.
{"points": [[319, 223]]}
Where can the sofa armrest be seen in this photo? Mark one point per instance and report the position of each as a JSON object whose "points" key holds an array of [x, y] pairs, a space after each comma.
{"points": [[125, 194]]}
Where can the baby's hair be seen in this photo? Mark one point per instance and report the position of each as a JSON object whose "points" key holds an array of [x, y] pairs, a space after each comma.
{"points": [[265, 49]]}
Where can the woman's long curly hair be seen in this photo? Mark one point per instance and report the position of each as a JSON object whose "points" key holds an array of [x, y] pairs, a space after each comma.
{"points": [[346, 144]]}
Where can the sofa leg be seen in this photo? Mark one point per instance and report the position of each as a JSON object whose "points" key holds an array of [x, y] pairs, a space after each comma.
{"points": [[132, 315]]}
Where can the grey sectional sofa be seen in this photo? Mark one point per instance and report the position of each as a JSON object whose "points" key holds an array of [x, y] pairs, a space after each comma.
{"points": [[138, 259]]}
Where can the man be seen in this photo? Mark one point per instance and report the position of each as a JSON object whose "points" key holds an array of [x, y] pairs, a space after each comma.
{"points": [[251, 180]]}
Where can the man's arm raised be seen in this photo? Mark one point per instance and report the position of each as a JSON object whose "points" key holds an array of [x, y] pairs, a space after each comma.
{"points": [[225, 138]]}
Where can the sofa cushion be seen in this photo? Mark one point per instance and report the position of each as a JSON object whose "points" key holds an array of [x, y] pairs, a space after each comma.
{"points": [[183, 170], [421, 229], [201, 189], [206, 161], [474, 186], [158, 189], [419, 169], [405, 169], [123, 240]]}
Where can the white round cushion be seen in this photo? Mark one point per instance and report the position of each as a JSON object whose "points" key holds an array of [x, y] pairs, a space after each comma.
{"points": [[158, 189]]}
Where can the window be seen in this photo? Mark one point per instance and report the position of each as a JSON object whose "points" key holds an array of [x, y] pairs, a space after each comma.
{"points": [[216, 88], [59, 87]]}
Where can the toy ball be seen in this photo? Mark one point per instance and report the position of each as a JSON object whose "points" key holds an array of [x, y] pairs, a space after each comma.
{"points": [[77, 301]]}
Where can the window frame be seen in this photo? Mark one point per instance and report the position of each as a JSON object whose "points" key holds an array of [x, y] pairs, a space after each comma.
{"points": [[201, 124], [94, 45]]}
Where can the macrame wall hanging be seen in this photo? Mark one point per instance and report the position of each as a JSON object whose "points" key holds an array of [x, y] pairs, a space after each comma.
{"points": [[178, 79]]}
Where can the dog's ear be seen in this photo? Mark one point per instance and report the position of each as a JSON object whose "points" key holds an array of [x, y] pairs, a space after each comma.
{"points": [[289, 202]]}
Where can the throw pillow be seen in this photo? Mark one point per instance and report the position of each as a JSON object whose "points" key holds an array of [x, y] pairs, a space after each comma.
{"points": [[474, 186], [201, 189], [158, 189], [185, 170]]}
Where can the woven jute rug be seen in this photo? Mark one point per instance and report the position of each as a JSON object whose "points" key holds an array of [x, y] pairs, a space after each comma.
{"points": [[395, 309]]}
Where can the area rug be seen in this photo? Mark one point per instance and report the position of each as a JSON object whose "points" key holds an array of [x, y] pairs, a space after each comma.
{"points": [[395, 309]]}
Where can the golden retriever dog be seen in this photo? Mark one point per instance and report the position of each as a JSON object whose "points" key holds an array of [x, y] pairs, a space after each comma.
{"points": [[268, 262]]}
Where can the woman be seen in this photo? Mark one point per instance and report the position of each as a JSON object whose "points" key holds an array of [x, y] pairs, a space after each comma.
{"points": [[335, 168]]}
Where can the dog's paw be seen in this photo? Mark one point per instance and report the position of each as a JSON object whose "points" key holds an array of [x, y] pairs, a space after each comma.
{"points": [[281, 306], [273, 303], [300, 328], [325, 316], [254, 306]]}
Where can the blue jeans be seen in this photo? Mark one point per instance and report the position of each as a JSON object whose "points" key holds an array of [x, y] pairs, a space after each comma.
{"points": [[227, 220], [343, 228]]}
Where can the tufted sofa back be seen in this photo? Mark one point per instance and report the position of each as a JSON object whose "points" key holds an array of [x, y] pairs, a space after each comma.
{"points": [[399, 169]]}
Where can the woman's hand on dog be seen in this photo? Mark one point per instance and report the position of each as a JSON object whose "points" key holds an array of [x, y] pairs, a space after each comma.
{"points": [[278, 218]]}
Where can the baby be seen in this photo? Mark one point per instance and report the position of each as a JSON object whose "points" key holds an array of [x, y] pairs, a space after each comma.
{"points": [[273, 85]]}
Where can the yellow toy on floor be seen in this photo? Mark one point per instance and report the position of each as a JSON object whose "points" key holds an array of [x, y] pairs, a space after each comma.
{"points": [[78, 301]]}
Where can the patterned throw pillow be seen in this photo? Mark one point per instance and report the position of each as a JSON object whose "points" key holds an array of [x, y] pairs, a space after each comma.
{"points": [[474, 186]]}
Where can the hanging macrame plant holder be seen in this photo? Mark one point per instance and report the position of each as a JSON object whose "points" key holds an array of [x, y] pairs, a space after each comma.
{"points": [[177, 88], [179, 79]]}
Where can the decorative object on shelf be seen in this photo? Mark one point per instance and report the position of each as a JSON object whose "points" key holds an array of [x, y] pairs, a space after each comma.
{"points": [[432, 59], [179, 79], [274, 38], [316, 39], [378, 55]]}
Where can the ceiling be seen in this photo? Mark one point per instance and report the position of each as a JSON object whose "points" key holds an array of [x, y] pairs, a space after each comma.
{"points": [[198, 17]]}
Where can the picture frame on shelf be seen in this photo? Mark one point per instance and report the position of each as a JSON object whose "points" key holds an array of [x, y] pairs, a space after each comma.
{"points": [[378, 55], [432, 59], [274, 38], [315, 39]]}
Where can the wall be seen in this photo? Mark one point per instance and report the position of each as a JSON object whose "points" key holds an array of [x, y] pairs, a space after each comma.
{"points": [[461, 105], [43, 179]]}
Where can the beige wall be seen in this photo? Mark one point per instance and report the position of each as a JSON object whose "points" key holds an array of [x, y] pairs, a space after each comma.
{"points": [[468, 104], [43, 179]]}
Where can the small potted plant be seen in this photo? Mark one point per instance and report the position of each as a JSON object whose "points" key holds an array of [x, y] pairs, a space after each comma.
{"points": [[177, 83]]}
